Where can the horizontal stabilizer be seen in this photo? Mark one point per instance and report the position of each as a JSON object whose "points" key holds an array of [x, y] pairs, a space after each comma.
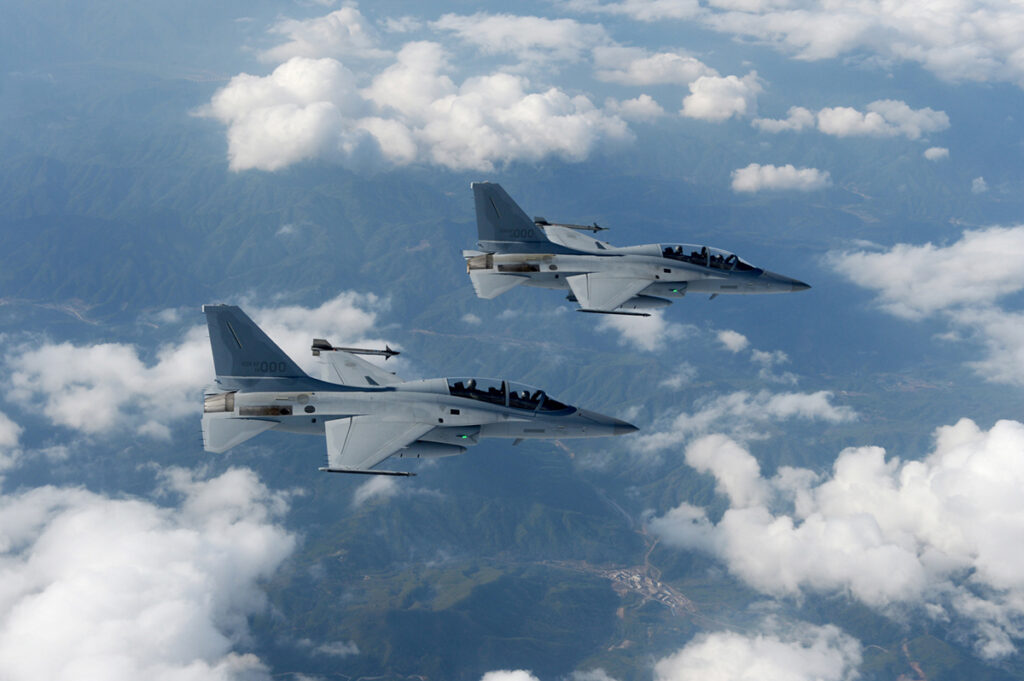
{"points": [[221, 432], [599, 292], [491, 285]]}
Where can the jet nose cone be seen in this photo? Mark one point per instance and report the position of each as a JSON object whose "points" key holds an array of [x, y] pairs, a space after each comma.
{"points": [[782, 283], [623, 428], [608, 424]]}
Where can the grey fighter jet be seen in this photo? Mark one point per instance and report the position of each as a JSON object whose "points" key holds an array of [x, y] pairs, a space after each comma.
{"points": [[515, 250], [367, 413]]}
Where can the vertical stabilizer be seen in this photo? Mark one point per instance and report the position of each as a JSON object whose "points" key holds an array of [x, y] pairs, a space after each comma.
{"points": [[499, 221], [242, 350]]}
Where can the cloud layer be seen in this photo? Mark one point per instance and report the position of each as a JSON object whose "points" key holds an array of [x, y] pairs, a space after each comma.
{"points": [[98, 388], [412, 112], [756, 177], [964, 283], [339, 96], [744, 415], [95, 587], [342, 33], [973, 40], [404, 107], [714, 98], [943, 534], [530, 39], [637, 66], [10, 434], [883, 118], [645, 333], [800, 653]]}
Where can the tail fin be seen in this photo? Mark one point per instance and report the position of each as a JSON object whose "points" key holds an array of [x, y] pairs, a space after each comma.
{"points": [[499, 219], [242, 350]]}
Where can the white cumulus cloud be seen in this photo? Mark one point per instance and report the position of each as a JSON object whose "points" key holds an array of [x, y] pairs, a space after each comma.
{"points": [[756, 177], [296, 113], [412, 112], [637, 66], [801, 652], [377, 487], [106, 588], [531, 39], [944, 534], [641, 108], [768, 360], [338, 649], [683, 374], [734, 341], [915, 281], [714, 98], [936, 153], [641, 10], [645, 333], [963, 283], [91, 388], [509, 675], [975, 40], [796, 120], [744, 415], [347, 319], [10, 434], [342, 33], [883, 118], [403, 24]]}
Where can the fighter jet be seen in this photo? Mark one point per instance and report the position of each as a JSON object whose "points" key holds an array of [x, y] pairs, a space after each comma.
{"points": [[515, 250], [366, 413]]}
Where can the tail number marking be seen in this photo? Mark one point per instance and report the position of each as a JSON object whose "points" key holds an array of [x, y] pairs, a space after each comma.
{"points": [[265, 367]]}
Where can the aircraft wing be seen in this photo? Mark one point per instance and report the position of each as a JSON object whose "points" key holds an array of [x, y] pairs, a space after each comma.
{"points": [[605, 292], [358, 443], [347, 369]]}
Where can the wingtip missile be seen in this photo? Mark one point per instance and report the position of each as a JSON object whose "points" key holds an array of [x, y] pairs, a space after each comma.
{"points": [[360, 471], [541, 222], [321, 345]]}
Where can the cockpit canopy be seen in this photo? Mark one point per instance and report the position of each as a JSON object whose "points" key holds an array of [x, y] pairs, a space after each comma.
{"points": [[504, 393], [706, 256]]}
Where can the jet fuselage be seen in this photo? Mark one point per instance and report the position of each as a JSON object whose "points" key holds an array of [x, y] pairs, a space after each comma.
{"points": [[670, 278], [458, 421], [515, 250]]}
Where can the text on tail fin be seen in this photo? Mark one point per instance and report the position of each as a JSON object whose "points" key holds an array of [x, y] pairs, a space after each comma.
{"points": [[498, 218], [242, 350]]}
